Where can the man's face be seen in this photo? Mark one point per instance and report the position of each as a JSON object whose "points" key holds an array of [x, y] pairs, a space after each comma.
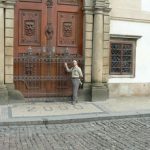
{"points": [[74, 63]]}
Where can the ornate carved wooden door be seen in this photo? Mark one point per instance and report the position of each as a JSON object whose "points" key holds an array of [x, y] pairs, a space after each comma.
{"points": [[47, 33]]}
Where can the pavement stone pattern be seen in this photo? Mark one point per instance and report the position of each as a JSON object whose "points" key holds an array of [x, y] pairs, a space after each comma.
{"points": [[117, 134], [3, 113], [52, 109]]}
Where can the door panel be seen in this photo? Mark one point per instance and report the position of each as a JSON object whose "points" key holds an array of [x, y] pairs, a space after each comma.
{"points": [[47, 34], [67, 30], [30, 22], [30, 31], [67, 19]]}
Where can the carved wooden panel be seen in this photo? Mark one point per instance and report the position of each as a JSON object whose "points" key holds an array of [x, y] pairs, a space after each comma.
{"points": [[35, 1], [68, 2], [67, 29], [29, 27]]}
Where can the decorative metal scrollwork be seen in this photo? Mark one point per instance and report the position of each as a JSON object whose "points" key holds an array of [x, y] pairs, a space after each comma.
{"points": [[121, 58]]}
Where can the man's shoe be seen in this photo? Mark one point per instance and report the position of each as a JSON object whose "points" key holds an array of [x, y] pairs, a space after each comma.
{"points": [[73, 102]]}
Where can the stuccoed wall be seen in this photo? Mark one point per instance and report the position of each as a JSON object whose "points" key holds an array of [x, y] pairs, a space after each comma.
{"points": [[137, 10], [132, 18]]}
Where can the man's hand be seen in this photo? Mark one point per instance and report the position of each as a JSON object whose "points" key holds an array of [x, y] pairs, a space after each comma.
{"points": [[65, 64]]}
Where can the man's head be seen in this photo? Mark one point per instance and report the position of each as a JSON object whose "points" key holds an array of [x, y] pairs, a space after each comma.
{"points": [[75, 63]]}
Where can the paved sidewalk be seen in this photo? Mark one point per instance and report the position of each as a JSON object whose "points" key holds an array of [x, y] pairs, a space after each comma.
{"points": [[62, 112]]}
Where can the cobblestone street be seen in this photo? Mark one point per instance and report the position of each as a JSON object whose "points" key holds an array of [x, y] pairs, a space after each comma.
{"points": [[119, 134]]}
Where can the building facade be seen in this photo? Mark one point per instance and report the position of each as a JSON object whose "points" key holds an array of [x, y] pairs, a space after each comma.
{"points": [[130, 23], [110, 38]]}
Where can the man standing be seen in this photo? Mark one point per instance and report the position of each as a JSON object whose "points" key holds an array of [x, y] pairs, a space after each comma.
{"points": [[76, 75]]}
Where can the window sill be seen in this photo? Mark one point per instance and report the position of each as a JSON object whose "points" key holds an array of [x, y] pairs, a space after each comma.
{"points": [[121, 76]]}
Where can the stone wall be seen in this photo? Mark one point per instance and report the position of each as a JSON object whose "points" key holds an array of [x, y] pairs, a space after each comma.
{"points": [[3, 90], [96, 49], [100, 54], [7, 90], [9, 43], [1, 44], [106, 43], [85, 93], [88, 39]]}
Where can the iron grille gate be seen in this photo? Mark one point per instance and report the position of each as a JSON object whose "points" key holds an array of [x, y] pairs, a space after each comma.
{"points": [[42, 76]]}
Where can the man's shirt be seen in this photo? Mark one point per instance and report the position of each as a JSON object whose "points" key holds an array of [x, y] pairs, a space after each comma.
{"points": [[76, 71]]}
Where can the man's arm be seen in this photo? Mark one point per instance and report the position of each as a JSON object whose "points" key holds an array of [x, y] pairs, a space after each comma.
{"points": [[66, 66], [80, 72]]}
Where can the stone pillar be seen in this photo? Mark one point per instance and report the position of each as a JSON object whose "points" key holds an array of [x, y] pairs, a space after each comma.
{"points": [[85, 93], [9, 50], [97, 60], [3, 90], [106, 48], [99, 88]]}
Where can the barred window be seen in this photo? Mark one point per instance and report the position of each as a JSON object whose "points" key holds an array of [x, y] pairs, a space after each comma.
{"points": [[122, 57]]}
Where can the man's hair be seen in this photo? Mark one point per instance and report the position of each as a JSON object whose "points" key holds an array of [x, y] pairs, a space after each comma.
{"points": [[75, 61]]}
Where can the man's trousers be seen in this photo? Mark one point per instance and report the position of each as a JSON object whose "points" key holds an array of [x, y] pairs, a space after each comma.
{"points": [[75, 87]]}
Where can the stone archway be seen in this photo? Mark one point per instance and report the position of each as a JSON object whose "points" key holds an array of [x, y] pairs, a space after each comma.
{"points": [[92, 10], [49, 29]]}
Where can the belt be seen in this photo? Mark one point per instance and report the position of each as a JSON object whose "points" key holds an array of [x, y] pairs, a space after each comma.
{"points": [[75, 78]]}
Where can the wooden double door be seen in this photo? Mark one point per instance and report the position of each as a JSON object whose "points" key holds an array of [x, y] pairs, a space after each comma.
{"points": [[47, 34]]}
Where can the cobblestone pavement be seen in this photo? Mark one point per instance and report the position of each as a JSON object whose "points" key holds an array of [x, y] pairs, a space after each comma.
{"points": [[119, 134]]}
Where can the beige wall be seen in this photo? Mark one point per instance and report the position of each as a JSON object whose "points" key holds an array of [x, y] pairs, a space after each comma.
{"points": [[129, 9]]}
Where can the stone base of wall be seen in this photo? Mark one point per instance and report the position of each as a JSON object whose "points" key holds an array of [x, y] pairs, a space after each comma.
{"points": [[85, 93], [14, 94], [3, 94], [99, 93], [129, 89]]}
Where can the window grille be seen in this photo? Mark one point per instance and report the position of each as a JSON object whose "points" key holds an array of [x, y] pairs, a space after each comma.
{"points": [[121, 58]]}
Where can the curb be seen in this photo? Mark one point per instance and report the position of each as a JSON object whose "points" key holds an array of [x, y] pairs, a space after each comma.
{"points": [[72, 118]]}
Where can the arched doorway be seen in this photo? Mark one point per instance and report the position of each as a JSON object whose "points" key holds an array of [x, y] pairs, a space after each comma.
{"points": [[47, 33]]}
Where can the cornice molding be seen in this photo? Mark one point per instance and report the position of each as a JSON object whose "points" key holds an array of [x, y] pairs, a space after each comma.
{"points": [[101, 6], [88, 10], [125, 36], [130, 19], [8, 2]]}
